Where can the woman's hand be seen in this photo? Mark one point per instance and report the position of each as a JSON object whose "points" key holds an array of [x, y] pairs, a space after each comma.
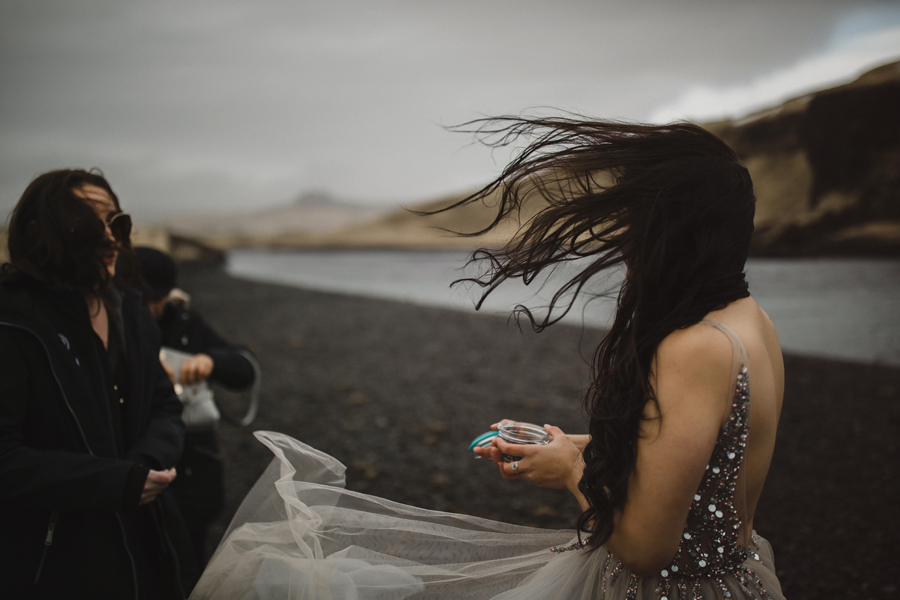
{"points": [[488, 452], [557, 465], [156, 482], [195, 369]]}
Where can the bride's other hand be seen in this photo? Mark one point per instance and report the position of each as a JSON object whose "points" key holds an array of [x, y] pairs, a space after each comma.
{"points": [[490, 451], [557, 465]]}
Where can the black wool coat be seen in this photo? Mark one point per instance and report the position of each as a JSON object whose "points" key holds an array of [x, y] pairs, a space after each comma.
{"points": [[70, 525], [200, 487]]}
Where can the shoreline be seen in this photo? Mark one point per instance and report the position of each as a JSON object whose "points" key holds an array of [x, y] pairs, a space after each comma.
{"points": [[396, 391], [803, 296]]}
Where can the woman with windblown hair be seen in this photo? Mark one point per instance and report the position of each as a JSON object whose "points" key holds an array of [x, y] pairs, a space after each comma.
{"points": [[679, 440]]}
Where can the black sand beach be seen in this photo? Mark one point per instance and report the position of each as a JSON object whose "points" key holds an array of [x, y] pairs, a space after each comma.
{"points": [[397, 391]]}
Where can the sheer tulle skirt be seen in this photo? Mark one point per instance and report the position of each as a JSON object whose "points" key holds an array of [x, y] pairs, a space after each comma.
{"points": [[300, 535]]}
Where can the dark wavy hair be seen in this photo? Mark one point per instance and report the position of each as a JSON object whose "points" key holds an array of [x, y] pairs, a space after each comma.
{"points": [[671, 202], [55, 236]]}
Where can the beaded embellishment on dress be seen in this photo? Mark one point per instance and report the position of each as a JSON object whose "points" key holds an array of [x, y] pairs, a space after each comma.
{"points": [[577, 545]]}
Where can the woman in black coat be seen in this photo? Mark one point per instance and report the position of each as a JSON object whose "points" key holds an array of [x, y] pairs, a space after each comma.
{"points": [[90, 427]]}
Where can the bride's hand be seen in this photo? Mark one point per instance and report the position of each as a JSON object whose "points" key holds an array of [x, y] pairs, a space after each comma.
{"points": [[557, 465], [488, 452]]}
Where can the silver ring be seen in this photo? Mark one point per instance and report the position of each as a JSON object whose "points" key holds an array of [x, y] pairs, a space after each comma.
{"points": [[515, 466]]}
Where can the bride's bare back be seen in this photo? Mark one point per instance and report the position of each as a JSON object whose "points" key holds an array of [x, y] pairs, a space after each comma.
{"points": [[693, 380]]}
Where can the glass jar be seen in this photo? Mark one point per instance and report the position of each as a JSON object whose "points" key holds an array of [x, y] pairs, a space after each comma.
{"points": [[521, 433], [515, 433]]}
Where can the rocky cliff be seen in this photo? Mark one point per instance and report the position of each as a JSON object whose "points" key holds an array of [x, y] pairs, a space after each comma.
{"points": [[826, 168]]}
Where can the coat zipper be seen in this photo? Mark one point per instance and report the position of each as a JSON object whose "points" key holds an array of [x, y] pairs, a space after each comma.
{"points": [[137, 594], [47, 543]]}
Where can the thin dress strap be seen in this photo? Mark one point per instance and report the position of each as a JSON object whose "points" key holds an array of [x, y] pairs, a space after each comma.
{"points": [[739, 362], [739, 353]]}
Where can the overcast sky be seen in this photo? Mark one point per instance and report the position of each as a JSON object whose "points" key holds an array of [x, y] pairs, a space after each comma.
{"points": [[225, 105]]}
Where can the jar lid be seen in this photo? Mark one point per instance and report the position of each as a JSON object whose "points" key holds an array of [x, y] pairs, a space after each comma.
{"points": [[482, 441]]}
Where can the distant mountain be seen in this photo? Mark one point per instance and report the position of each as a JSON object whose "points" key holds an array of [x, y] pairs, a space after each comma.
{"points": [[311, 213], [404, 228]]}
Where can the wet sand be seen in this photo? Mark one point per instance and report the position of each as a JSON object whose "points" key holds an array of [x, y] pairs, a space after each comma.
{"points": [[397, 391]]}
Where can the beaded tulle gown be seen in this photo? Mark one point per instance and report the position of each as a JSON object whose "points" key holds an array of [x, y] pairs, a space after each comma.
{"points": [[300, 535]]}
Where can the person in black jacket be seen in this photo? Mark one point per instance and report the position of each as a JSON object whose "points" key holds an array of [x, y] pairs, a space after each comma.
{"points": [[90, 426], [200, 486]]}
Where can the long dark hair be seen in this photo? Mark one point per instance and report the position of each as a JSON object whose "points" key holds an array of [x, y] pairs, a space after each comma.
{"points": [[672, 203], [55, 235]]}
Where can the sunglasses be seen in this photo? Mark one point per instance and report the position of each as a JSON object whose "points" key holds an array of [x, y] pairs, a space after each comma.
{"points": [[120, 226]]}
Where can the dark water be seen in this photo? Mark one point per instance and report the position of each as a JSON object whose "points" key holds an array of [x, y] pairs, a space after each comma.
{"points": [[836, 308]]}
